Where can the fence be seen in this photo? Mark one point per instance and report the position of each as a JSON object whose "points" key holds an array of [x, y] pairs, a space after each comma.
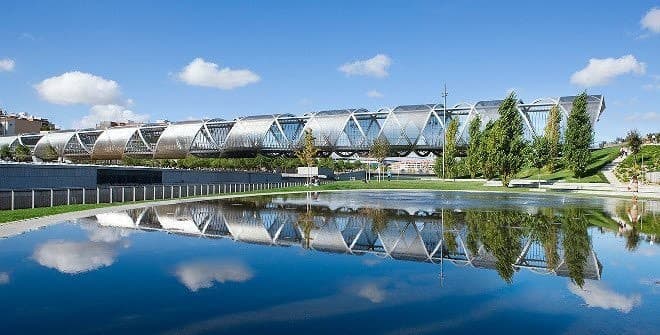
{"points": [[35, 198]]}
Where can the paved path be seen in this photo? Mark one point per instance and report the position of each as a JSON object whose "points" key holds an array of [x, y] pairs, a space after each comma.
{"points": [[608, 172]]}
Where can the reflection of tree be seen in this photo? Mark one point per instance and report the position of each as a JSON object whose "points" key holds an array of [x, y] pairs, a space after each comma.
{"points": [[472, 219], [378, 219], [306, 224], [576, 244], [546, 232], [449, 220]]}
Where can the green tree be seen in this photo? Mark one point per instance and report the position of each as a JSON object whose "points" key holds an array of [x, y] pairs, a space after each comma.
{"points": [[553, 137], [5, 152], [538, 154], [50, 154], [307, 152], [473, 159], [379, 150], [579, 135], [22, 153], [509, 141], [450, 149], [634, 141]]}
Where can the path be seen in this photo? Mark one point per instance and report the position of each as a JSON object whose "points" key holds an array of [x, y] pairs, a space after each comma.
{"points": [[608, 172]]}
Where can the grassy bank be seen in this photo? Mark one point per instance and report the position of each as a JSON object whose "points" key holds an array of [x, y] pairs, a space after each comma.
{"points": [[599, 158], [649, 155]]}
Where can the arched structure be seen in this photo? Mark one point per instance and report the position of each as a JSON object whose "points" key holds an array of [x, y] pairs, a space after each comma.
{"points": [[409, 128]]}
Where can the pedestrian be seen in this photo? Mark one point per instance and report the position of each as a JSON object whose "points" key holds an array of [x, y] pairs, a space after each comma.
{"points": [[633, 186]]}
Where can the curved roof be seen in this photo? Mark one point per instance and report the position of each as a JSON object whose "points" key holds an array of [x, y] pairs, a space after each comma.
{"points": [[52, 141], [176, 139], [111, 144]]}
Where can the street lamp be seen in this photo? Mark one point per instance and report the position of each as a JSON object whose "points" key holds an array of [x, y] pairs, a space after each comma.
{"points": [[444, 125]]}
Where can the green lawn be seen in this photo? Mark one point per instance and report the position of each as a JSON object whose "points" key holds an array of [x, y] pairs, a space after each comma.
{"points": [[648, 154], [599, 158]]}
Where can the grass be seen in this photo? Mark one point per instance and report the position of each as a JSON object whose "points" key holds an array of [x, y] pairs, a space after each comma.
{"points": [[599, 158], [650, 154]]}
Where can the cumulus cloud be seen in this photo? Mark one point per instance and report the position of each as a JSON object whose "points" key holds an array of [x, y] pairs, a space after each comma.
{"points": [[603, 71], [4, 278], [202, 274], [596, 295], [74, 257], [651, 21], [78, 88], [7, 64], [371, 292], [373, 67], [374, 94], [109, 112], [202, 73], [649, 116]]}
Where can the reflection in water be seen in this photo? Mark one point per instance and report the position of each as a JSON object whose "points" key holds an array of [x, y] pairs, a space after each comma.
{"points": [[546, 241], [4, 278], [595, 295], [74, 257], [202, 274]]}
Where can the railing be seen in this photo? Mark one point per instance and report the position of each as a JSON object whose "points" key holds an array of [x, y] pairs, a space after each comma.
{"points": [[36, 198]]}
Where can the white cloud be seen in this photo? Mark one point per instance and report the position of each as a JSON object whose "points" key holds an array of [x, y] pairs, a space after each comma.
{"points": [[602, 71], [74, 257], [7, 64], [78, 88], [649, 116], [371, 292], [373, 67], [4, 278], [596, 295], [374, 94], [108, 113], [202, 73], [651, 21], [202, 274]]}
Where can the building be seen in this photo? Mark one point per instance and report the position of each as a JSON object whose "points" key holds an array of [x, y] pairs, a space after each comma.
{"points": [[412, 166], [21, 123]]}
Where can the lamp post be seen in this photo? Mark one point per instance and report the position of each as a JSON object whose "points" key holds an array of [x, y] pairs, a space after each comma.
{"points": [[444, 132]]}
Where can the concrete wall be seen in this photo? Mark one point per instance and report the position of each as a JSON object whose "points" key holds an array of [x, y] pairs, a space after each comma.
{"points": [[217, 177], [23, 176]]}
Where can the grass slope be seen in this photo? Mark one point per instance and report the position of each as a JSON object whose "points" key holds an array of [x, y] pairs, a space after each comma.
{"points": [[648, 154], [599, 158]]}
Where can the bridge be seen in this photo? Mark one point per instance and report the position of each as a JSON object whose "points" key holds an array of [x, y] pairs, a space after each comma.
{"points": [[418, 237], [410, 128]]}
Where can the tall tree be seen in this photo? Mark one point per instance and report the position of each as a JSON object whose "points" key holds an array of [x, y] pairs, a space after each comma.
{"points": [[379, 150], [307, 152], [510, 144], [634, 141], [553, 137], [473, 159], [579, 135], [450, 152], [538, 154], [487, 151]]}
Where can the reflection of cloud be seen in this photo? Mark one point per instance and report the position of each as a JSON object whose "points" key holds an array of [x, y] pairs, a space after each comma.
{"points": [[372, 261], [4, 278], [105, 234], [197, 275], [595, 295], [74, 257], [372, 292]]}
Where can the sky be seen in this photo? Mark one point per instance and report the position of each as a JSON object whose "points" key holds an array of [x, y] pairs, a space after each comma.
{"points": [[79, 62]]}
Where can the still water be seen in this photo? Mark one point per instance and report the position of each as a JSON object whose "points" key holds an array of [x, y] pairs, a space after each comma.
{"points": [[329, 263]]}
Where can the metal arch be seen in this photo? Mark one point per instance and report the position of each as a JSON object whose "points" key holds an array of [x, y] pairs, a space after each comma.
{"points": [[111, 144], [55, 140], [175, 141]]}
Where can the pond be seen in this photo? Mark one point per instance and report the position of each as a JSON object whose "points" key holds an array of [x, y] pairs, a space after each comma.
{"points": [[353, 262]]}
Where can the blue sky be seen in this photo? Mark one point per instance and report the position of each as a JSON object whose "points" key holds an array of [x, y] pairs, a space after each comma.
{"points": [[289, 56]]}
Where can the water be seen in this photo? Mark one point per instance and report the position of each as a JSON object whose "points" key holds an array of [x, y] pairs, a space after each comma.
{"points": [[357, 262]]}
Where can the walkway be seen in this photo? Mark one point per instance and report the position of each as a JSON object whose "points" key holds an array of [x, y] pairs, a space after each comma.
{"points": [[608, 172]]}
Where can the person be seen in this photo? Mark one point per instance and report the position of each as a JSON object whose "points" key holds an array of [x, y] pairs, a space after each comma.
{"points": [[389, 175]]}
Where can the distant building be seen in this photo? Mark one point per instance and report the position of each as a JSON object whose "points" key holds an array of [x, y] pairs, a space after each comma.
{"points": [[21, 123], [412, 166], [110, 124]]}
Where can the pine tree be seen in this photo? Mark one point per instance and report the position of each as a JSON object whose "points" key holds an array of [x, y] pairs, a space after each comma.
{"points": [[553, 137], [473, 160], [579, 135], [510, 144]]}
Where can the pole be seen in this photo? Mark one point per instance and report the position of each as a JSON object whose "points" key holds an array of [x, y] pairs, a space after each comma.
{"points": [[444, 133]]}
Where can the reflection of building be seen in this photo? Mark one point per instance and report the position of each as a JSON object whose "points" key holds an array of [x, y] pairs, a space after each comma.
{"points": [[413, 166], [399, 235]]}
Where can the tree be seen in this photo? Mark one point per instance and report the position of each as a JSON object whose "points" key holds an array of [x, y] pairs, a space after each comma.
{"points": [[487, 151], [509, 141], [379, 150], [22, 153], [538, 154], [450, 148], [50, 153], [473, 159], [307, 152], [579, 135], [553, 137], [5, 152], [634, 141]]}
